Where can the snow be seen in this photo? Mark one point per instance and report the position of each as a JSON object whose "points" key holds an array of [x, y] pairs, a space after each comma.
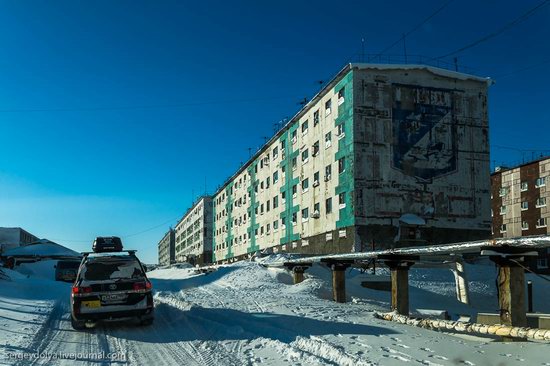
{"points": [[42, 249], [249, 314], [412, 219], [42, 269]]}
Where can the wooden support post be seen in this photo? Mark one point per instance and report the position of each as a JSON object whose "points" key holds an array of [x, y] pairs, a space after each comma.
{"points": [[298, 274], [338, 268], [399, 268], [511, 295], [298, 270], [510, 282], [339, 283]]}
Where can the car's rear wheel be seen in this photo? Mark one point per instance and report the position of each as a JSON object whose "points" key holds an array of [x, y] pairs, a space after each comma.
{"points": [[78, 324]]}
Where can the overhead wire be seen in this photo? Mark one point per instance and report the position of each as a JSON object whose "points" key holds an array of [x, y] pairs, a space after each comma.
{"points": [[414, 29], [499, 31]]}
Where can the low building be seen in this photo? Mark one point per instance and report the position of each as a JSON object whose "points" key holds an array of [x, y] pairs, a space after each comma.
{"points": [[12, 237], [520, 200], [383, 156], [167, 248], [194, 233]]}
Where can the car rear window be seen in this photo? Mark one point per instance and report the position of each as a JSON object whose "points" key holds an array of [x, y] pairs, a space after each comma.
{"points": [[111, 270], [68, 265]]}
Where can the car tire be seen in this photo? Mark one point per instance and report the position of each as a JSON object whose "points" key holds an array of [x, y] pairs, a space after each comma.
{"points": [[78, 324]]}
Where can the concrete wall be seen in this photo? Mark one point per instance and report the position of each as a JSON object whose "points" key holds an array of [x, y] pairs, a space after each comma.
{"points": [[193, 234], [166, 248], [421, 147]]}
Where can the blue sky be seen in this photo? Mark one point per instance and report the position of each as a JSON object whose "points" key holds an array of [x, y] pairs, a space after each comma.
{"points": [[113, 114]]}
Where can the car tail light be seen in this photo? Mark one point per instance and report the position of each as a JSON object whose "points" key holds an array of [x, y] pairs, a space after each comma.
{"points": [[148, 285], [140, 286], [82, 290]]}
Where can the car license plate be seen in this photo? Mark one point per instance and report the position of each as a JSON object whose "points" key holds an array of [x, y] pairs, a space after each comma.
{"points": [[91, 304], [113, 297]]}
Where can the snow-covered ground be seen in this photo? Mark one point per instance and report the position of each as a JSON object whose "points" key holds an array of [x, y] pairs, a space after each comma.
{"points": [[247, 314]]}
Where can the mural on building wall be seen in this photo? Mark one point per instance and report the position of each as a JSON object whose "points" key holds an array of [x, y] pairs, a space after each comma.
{"points": [[424, 131]]}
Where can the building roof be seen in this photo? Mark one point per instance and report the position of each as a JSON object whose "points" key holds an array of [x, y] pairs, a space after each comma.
{"points": [[41, 248], [505, 169], [339, 76]]}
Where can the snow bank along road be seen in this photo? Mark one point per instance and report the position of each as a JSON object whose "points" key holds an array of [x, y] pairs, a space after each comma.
{"points": [[246, 314]]}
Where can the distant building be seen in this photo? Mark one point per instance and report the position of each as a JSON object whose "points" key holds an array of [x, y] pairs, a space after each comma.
{"points": [[11, 237], [520, 202], [167, 247], [194, 233], [390, 155]]}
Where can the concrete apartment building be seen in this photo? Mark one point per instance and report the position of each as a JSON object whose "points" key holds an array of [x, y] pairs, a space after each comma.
{"points": [[194, 233], [520, 200], [11, 237], [383, 155], [167, 248]]}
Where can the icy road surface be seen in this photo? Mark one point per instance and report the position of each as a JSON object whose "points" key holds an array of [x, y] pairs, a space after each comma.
{"points": [[245, 314]]}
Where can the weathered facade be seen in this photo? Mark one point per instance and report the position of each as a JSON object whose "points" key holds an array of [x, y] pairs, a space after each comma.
{"points": [[11, 237], [167, 248], [384, 155], [194, 233], [519, 198]]}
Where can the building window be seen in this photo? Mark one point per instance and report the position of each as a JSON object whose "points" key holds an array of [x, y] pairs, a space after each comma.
{"points": [[316, 118], [293, 137], [294, 163], [315, 148], [503, 228], [342, 199], [267, 205], [275, 225], [328, 140], [262, 209], [503, 191], [283, 219], [275, 177], [294, 218], [503, 210], [283, 196], [315, 179], [305, 214], [341, 165], [341, 131], [328, 172], [541, 202], [541, 222], [275, 202], [304, 127], [275, 152], [316, 209], [524, 186], [305, 185], [328, 107], [540, 182], [267, 228], [341, 93], [524, 205], [328, 205], [305, 155], [267, 183], [262, 230], [524, 225], [294, 190]]}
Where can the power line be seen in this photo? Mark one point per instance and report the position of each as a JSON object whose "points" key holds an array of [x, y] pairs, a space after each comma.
{"points": [[437, 11], [503, 75], [157, 106], [499, 31]]}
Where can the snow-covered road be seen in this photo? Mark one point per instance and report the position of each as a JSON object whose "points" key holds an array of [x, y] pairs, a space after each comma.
{"points": [[242, 314]]}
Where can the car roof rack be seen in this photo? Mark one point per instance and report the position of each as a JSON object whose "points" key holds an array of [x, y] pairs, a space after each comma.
{"points": [[130, 251]]}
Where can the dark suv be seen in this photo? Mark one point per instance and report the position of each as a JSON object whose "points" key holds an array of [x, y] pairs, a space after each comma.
{"points": [[111, 285]]}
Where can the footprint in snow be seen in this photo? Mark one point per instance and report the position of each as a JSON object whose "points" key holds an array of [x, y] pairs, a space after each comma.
{"points": [[425, 349], [439, 357], [397, 357]]}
